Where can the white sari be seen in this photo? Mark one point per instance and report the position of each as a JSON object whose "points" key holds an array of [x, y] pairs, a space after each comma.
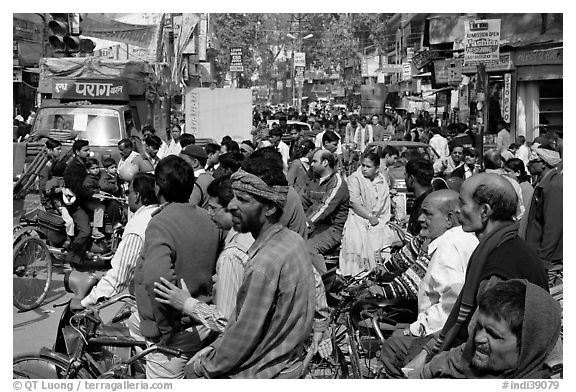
{"points": [[360, 240]]}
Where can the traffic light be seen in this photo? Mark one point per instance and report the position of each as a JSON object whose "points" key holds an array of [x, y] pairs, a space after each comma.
{"points": [[65, 30]]}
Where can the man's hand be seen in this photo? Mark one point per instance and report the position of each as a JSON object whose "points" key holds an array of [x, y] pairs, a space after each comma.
{"points": [[376, 291], [169, 294], [321, 346], [75, 305]]}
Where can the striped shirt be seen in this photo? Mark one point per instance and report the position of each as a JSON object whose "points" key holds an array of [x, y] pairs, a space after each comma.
{"points": [[123, 264], [410, 265], [229, 275]]}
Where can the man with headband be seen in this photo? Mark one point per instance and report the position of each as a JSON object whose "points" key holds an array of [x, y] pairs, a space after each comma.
{"points": [[544, 228], [275, 306]]}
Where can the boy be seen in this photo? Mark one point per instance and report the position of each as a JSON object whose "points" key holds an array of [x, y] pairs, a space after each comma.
{"points": [[109, 183], [53, 194], [91, 184]]}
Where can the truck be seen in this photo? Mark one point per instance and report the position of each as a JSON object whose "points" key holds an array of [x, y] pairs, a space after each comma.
{"points": [[212, 113], [100, 100]]}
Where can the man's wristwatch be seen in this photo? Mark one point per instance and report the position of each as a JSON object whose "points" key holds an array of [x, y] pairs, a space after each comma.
{"points": [[407, 332]]}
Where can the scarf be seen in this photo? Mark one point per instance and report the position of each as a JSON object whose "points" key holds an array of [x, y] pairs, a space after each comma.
{"points": [[540, 331], [249, 183], [466, 303]]}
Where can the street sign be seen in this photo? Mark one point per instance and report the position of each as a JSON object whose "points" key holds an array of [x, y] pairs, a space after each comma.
{"points": [[299, 74], [391, 68], [423, 58], [236, 64], [481, 41], [406, 71], [299, 59]]}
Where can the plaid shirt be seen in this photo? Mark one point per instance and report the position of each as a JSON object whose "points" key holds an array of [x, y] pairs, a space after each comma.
{"points": [[274, 311]]}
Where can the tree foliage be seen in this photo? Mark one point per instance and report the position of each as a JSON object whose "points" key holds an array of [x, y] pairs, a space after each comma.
{"points": [[337, 38]]}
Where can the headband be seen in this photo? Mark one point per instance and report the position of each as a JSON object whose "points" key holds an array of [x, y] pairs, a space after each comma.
{"points": [[254, 185]]}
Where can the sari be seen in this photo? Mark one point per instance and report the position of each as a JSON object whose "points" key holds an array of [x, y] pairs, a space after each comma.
{"points": [[360, 240]]}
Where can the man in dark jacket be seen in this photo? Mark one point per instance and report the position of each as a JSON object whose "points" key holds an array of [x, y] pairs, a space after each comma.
{"points": [[544, 229], [326, 202], [74, 176]]}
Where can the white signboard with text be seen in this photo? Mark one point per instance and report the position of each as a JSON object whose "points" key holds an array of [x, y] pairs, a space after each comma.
{"points": [[481, 41]]}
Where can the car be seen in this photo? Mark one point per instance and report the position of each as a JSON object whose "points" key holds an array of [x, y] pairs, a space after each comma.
{"points": [[407, 150]]}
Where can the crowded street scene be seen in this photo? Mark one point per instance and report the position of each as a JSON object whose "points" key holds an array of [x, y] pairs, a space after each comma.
{"points": [[288, 196]]}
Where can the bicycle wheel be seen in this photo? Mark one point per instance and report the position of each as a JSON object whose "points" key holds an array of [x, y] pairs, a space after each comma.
{"points": [[36, 366], [32, 273]]}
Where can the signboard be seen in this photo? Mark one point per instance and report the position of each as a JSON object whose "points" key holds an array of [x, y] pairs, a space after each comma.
{"points": [[406, 71], [236, 64], [481, 40], [448, 71], [299, 59], [423, 58], [17, 75], [90, 89], [370, 66], [504, 63], [299, 77], [506, 97], [391, 68], [539, 57]]}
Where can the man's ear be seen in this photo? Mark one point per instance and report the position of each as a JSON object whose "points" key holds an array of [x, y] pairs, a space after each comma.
{"points": [[270, 209], [485, 212], [451, 220]]}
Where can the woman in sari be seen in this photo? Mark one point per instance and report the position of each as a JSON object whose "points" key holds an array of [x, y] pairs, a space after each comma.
{"points": [[366, 231]]}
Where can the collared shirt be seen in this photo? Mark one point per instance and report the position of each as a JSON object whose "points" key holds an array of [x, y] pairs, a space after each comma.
{"points": [[198, 172], [449, 255], [229, 275], [162, 150], [284, 150], [305, 162], [440, 145], [362, 137], [173, 148], [130, 158], [274, 312], [123, 264]]}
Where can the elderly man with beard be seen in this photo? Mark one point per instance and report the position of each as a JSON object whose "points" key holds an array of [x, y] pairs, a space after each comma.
{"points": [[487, 206], [274, 312], [517, 326], [443, 264]]}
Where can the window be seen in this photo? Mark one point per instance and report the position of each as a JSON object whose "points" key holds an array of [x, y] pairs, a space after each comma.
{"points": [[551, 104]]}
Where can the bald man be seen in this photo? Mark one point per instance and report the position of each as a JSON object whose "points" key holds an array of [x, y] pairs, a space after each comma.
{"points": [[449, 250], [487, 205]]}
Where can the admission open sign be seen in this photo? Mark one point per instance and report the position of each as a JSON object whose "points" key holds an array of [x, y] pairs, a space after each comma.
{"points": [[236, 60], [481, 41]]}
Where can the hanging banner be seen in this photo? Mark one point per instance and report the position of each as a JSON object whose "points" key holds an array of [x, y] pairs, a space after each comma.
{"points": [[506, 97], [481, 41]]}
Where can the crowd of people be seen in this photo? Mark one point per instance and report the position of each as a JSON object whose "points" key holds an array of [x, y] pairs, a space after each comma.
{"points": [[226, 245]]}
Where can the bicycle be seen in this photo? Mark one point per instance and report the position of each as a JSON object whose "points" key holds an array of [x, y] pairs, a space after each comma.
{"points": [[359, 324], [38, 242], [85, 348]]}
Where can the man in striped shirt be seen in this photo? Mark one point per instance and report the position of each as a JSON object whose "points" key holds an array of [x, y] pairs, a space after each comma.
{"points": [[229, 267], [142, 202], [326, 202]]}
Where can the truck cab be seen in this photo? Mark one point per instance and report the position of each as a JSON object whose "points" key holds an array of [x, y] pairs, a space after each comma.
{"points": [[102, 125]]}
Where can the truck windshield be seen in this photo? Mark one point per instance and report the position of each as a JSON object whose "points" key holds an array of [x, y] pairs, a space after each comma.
{"points": [[100, 126]]}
